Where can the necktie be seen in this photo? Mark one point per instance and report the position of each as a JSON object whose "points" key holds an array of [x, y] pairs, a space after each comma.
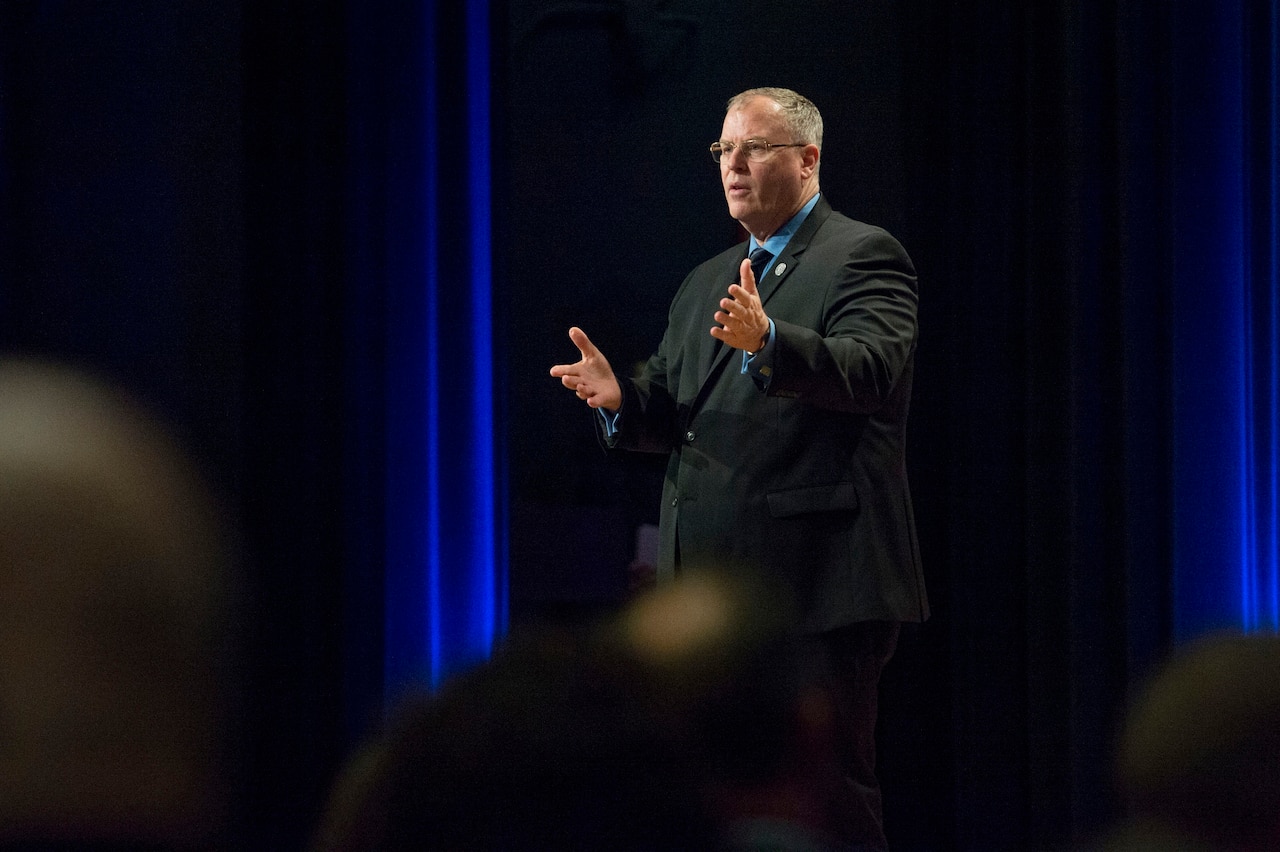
{"points": [[759, 259]]}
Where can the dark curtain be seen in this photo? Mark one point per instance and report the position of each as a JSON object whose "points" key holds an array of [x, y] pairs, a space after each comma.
{"points": [[293, 503], [207, 206], [1041, 432], [1046, 166]]}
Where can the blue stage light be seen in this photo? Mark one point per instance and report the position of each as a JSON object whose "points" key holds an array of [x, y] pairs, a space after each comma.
{"points": [[1225, 364]]}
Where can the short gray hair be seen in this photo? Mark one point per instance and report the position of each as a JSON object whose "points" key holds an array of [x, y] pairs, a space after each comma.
{"points": [[801, 116]]}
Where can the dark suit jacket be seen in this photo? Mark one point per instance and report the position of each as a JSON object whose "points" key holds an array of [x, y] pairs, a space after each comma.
{"points": [[806, 478]]}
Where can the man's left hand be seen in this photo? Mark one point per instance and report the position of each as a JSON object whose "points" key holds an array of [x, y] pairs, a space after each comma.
{"points": [[743, 323]]}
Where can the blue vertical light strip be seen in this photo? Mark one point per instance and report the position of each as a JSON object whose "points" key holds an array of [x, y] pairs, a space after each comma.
{"points": [[464, 609], [445, 582], [1227, 326], [1261, 574], [1210, 413], [487, 591]]}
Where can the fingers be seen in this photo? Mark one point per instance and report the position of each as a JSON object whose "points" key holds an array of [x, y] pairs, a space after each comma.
{"points": [[574, 381], [569, 372], [740, 306], [741, 316], [591, 378], [600, 395]]}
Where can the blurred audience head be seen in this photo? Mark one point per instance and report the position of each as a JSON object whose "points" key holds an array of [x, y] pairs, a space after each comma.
{"points": [[113, 628], [721, 659], [719, 652], [642, 731], [543, 747], [1200, 754]]}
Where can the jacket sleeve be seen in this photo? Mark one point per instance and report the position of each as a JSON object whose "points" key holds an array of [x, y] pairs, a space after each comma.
{"points": [[865, 334]]}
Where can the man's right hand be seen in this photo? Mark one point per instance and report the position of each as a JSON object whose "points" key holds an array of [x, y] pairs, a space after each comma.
{"points": [[591, 378]]}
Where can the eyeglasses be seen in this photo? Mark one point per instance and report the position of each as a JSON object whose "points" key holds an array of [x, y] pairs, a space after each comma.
{"points": [[757, 150]]}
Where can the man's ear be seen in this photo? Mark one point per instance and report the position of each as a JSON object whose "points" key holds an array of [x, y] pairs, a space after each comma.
{"points": [[810, 155]]}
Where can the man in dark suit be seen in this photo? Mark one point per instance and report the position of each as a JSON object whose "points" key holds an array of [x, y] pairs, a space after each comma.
{"points": [[780, 390]]}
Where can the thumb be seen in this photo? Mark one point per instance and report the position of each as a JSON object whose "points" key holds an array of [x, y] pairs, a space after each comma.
{"points": [[580, 340], [747, 276]]}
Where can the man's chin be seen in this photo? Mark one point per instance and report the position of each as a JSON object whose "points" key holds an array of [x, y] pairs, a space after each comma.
{"points": [[740, 212]]}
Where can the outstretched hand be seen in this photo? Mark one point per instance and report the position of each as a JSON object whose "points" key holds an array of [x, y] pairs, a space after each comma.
{"points": [[743, 322], [591, 378]]}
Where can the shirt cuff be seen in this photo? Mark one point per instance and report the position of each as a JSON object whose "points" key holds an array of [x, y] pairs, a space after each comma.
{"points": [[760, 364], [610, 419]]}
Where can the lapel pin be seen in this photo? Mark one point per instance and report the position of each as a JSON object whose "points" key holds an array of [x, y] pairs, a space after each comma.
{"points": [[779, 269]]}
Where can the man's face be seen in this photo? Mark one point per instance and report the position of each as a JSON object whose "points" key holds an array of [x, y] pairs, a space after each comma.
{"points": [[763, 196]]}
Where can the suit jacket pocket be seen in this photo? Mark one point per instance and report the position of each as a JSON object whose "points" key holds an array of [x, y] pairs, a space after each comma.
{"points": [[831, 497]]}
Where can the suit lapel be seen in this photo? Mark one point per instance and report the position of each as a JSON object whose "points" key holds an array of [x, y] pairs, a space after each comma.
{"points": [[789, 260], [712, 352]]}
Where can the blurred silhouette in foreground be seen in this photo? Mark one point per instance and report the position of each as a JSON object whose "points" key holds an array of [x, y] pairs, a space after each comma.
{"points": [[684, 722], [543, 747], [1199, 762], [719, 657], [113, 626]]}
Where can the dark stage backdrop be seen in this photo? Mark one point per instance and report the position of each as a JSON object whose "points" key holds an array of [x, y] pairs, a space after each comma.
{"points": [[253, 215]]}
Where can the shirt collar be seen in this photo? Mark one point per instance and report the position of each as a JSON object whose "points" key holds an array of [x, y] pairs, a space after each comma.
{"points": [[778, 241]]}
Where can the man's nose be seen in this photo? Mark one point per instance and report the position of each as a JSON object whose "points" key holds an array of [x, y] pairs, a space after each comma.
{"points": [[735, 158]]}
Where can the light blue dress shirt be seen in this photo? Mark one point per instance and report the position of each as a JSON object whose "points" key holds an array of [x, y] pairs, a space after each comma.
{"points": [[760, 365]]}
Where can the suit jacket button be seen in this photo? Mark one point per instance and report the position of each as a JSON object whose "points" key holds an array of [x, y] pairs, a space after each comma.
{"points": [[688, 437]]}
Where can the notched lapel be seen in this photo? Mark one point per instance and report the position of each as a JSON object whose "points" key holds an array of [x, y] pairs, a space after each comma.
{"points": [[787, 262], [782, 267]]}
